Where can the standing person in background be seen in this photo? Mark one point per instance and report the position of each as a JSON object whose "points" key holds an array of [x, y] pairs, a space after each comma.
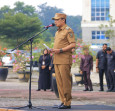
{"points": [[44, 73], [64, 42], [111, 68], [101, 66], [86, 66]]}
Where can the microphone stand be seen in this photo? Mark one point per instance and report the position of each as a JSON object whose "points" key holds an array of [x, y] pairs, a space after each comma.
{"points": [[30, 40]]}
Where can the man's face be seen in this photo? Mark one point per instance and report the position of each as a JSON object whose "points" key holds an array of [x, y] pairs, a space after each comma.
{"points": [[104, 47], [59, 22], [108, 52], [86, 52]]}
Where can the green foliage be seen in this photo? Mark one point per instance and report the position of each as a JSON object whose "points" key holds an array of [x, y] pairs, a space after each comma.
{"points": [[20, 61], [46, 13], [18, 24], [109, 30], [20, 7], [2, 54], [38, 47], [36, 56], [75, 23], [4, 10], [79, 52], [18, 28]]}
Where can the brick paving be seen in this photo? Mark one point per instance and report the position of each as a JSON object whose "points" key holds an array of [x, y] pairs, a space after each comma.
{"points": [[15, 94]]}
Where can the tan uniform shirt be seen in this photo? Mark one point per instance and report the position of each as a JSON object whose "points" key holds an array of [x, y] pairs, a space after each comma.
{"points": [[63, 37]]}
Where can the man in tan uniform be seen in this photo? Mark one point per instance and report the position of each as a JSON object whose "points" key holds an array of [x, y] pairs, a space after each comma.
{"points": [[64, 42]]}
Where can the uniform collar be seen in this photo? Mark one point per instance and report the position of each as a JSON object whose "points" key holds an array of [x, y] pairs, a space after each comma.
{"points": [[63, 27]]}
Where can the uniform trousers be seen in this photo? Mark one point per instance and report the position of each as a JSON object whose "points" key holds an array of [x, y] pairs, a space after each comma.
{"points": [[101, 74], [63, 79], [111, 74]]}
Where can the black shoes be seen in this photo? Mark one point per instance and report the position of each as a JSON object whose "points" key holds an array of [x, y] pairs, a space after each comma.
{"points": [[86, 90], [91, 90], [113, 90], [51, 90], [64, 107], [38, 90], [56, 106], [101, 89], [109, 90]]}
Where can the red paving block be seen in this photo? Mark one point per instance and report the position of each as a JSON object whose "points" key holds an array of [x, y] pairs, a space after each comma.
{"points": [[9, 110]]}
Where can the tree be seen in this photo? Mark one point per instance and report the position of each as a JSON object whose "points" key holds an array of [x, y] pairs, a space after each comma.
{"points": [[109, 31], [17, 28], [46, 13], [20, 7], [18, 24], [3, 10], [75, 23]]}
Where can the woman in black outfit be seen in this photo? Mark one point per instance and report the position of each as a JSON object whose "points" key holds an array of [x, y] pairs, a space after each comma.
{"points": [[44, 73]]}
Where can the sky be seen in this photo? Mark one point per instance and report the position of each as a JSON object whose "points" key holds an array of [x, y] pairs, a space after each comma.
{"points": [[70, 7]]}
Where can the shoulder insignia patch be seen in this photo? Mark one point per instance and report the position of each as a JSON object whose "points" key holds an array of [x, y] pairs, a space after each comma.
{"points": [[67, 28], [71, 34]]}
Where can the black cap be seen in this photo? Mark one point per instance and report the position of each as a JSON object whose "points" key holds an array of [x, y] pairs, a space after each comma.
{"points": [[108, 49]]}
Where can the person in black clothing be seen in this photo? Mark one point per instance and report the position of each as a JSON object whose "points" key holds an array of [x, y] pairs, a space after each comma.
{"points": [[52, 70], [111, 68], [101, 66], [44, 73]]}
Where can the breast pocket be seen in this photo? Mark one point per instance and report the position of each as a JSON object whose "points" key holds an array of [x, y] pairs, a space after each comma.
{"points": [[102, 55], [62, 36]]}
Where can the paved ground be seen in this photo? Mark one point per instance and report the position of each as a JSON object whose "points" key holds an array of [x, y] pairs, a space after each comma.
{"points": [[16, 94]]}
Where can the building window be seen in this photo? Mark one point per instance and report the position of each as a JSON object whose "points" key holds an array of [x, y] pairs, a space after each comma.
{"points": [[99, 44], [100, 10], [99, 35]]}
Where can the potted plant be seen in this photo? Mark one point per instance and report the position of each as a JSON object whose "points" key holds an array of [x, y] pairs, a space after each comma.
{"points": [[19, 66], [3, 70]]}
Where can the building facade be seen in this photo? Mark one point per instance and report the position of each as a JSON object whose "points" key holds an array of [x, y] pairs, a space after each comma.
{"points": [[95, 13]]}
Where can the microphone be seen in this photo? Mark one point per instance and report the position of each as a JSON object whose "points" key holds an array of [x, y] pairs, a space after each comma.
{"points": [[51, 25]]}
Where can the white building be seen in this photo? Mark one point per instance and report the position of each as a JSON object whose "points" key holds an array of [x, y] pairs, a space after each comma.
{"points": [[95, 13]]}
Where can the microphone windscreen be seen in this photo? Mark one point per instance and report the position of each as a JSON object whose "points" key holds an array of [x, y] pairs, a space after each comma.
{"points": [[53, 24]]}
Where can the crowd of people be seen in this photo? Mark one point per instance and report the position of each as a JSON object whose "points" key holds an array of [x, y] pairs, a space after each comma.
{"points": [[105, 64]]}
